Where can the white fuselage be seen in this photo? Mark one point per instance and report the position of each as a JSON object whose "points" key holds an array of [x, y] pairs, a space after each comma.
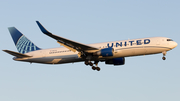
{"points": [[124, 48]]}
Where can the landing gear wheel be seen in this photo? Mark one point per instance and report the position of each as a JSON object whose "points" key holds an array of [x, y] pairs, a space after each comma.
{"points": [[86, 63], [91, 64], [164, 58], [94, 68], [98, 69]]}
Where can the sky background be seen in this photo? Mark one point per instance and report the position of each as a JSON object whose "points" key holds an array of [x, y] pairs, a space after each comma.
{"points": [[142, 78]]}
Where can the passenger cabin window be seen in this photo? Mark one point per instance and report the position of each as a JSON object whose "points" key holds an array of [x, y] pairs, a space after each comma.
{"points": [[169, 40]]}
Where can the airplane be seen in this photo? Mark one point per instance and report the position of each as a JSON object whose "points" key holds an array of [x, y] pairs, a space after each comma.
{"points": [[112, 53]]}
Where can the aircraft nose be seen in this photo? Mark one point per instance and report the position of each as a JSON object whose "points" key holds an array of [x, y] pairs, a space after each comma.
{"points": [[174, 44]]}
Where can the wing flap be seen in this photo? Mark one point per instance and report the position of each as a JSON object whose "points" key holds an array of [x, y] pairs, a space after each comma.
{"points": [[66, 42], [16, 54], [67, 47]]}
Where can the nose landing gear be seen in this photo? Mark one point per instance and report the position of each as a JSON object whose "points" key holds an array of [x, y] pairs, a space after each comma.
{"points": [[164, 54]]}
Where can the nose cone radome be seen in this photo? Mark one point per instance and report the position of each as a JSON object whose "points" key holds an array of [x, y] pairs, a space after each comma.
{"points": [[174, 44]]}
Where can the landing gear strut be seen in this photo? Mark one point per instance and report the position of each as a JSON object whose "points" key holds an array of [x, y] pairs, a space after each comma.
{"points": [[96, 63], [164, 54]]}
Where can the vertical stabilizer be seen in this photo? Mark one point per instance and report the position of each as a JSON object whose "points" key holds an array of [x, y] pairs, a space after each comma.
{"points": [[23, 44]]}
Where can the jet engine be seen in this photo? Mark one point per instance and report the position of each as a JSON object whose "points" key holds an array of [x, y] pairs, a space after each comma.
{"points": [[105, 52], [116, 61]]}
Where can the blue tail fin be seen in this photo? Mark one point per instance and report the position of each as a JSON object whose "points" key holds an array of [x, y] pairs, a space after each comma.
{"points": [[23, 44]]}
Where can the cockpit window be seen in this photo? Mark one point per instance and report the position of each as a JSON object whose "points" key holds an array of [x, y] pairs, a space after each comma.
{"points": [[169, 40]]}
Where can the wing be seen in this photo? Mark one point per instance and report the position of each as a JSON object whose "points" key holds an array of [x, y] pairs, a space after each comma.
{"points": [[71, 45]]}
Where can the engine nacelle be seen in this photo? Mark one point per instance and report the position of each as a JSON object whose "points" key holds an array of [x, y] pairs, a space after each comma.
{"points": [[116, 61], [105, 52]]}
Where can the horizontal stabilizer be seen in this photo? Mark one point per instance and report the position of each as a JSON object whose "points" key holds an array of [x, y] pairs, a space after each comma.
{"points": [[16, 54]]}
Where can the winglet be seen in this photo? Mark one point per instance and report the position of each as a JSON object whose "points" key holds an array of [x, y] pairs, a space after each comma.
{"points": [[42, 28]]}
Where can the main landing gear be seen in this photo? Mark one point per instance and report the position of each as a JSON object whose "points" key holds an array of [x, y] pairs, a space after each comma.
{"points": [[164, 54], [91, 64]]}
